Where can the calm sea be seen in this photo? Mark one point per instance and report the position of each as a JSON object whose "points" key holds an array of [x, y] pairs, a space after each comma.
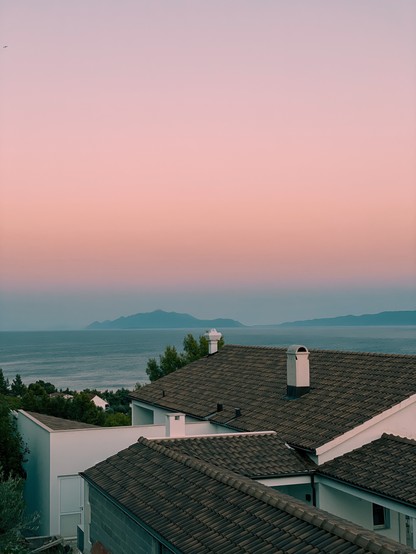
{"points": [[115, 359]]}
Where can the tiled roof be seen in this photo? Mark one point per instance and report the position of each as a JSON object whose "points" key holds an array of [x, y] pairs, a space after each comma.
{"points": [[256, 456], [199, 509], [58, 423], [385, 466], [347, 388]]}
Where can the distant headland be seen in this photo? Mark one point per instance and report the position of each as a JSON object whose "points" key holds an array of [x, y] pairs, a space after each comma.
{"points": [[159, 319], [383, 318]]}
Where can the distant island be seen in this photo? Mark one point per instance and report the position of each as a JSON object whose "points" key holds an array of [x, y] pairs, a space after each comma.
{"points": [[383, 318], [160, 319]]}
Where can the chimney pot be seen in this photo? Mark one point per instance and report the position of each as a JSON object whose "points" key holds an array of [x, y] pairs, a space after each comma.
{"points": [[212, 336], [237, 412], [220, 407]]}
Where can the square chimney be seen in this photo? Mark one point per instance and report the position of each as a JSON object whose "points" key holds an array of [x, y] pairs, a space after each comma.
{"points": [[298, 377], [212, 336], [175, 425]]}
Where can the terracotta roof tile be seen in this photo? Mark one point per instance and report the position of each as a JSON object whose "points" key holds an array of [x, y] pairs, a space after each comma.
{"points": [[200, 509], [347, 389]]}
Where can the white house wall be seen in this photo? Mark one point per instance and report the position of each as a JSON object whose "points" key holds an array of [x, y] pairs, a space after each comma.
{"points": [[399, 420], [64, 453], [360, 511], [37, 484], [344, 505], [146, 414]]}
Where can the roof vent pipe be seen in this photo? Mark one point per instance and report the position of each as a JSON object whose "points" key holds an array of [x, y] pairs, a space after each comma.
{"points": [[212, 336], [298, 377]]}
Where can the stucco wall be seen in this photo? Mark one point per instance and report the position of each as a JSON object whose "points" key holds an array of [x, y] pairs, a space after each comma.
{"points": [[301, 492], [359, 511], [145, 414], [115, 530], [55, 454], [77, 450], [344, 505], [37, 485]]}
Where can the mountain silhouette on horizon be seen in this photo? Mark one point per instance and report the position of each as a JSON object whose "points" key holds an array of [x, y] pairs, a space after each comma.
{"points": [[405, 317], [159, 319]]}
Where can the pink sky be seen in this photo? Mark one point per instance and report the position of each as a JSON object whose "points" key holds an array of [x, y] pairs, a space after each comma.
{"points": [[206, 143]]}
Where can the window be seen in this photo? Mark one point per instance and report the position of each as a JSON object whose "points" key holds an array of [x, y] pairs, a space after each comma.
{"points": [[381, 517]]}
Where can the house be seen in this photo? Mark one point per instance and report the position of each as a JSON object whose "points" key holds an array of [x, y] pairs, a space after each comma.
{"points": [[60, 448], [151, 498], [323, 404], [381, 473], [99, 402]]}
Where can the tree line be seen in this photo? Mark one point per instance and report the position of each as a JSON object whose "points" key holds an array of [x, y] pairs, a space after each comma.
{"points": [[43, 397], [171, 359]]}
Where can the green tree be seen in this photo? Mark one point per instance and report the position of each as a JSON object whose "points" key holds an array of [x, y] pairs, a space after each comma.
{"points": [[118, 400], [171, 359], [116, 419], [81, 408], [4, 384], [12, 449], [36, 399], [49, 388], [17, 387], [12, 516]]}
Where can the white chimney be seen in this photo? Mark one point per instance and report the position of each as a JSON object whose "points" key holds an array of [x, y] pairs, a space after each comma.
{"points": [[175, 425], [298, 378], [213, 336]]}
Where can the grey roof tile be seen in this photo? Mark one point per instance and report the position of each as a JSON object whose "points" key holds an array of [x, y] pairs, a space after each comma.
{"points": [[60, 424], [385, 466], [347, 389], [259, 455], [199, 508]]}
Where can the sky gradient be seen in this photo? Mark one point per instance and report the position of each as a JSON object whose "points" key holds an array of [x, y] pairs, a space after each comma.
{"points": [[242, 159]]}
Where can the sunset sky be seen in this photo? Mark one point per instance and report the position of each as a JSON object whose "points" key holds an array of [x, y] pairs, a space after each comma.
{"points": [[253, 159]]}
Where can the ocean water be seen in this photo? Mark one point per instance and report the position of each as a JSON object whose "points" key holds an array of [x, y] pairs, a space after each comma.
{"points": [[115, 359]]}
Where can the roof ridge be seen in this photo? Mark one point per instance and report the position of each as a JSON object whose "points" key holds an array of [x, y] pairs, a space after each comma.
{"points": [[398, 438], [323, 350], [310, 514], [217, 436]]}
